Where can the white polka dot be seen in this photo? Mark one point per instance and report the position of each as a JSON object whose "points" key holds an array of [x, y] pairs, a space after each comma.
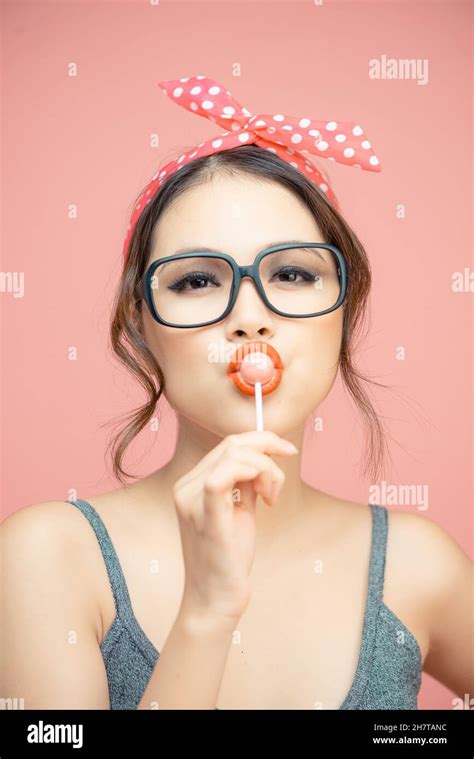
{"points": [[235, 126], [287, 127], [217, 143], [214, 90], [246, 112], [349, 152], [272, 150], [181, 158], [185, 79], [314, 132], [278, 117], [366, 144], [229, 110], [206, 104], [340, 137], [309, 168], [357, 131], [304, 123], [373, 160], [200, 76], [331, 125], [147, 192], [260, 123], [162, 174], [271, 130], [193, 154], [295, 165], [296, 138], [193, 106], [322, 145], [148, 201], [196, 90], [177, 92], [324, 187], [244, 137]]}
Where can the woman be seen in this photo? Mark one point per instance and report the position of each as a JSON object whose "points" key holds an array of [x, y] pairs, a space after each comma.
{"points": [[189, 592]]}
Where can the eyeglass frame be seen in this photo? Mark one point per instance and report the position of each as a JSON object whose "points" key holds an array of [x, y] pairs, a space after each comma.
{"points": [[143, 290]]}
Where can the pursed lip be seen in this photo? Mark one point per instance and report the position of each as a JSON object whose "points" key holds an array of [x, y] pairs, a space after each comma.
{"points": [[256, 346]]}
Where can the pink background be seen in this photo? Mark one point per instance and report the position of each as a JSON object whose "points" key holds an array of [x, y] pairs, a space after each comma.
{"points": [[85, 140]]}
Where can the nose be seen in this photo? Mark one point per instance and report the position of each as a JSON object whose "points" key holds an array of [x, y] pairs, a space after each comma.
{"points": [[249, 317]]}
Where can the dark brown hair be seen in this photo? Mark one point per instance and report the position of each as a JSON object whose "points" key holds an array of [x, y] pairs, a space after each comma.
{"points": [[126, 335]]}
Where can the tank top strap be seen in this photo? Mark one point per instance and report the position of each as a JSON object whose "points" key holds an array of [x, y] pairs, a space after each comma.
{"points": [[114, 570], [377, 555]]}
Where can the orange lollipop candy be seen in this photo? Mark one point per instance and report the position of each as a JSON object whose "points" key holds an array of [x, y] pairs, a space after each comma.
{"points": [[256, 369], [256, 362]]}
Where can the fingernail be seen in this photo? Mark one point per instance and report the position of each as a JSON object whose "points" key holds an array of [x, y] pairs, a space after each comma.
{"points": [[290, 447]]}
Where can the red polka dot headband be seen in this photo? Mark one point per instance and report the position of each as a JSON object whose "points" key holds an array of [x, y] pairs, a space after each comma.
{"points": [[342, 141]]}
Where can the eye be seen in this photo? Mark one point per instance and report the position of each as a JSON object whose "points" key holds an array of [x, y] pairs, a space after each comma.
{"points": [[197, 280], [290, 273]]}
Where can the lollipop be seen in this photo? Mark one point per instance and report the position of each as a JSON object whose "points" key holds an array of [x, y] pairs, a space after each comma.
{"points": [[256, 369]]}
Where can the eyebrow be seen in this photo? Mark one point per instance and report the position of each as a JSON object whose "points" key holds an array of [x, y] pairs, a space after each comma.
{"points": [[204, 249]]}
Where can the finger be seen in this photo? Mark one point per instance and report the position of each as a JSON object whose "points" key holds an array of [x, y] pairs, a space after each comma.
{"points": [[221, 481], [264, 441], [267, 478]]}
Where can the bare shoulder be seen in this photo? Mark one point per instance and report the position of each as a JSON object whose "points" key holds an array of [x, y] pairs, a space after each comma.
{"points": [[53, 525], [421, 554], [427, 554], [440, 575], [429, 585], [53, 543], [51, 624]]}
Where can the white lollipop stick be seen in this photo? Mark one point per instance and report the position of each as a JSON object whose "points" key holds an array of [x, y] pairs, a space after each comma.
{"points": [[259, 406]]}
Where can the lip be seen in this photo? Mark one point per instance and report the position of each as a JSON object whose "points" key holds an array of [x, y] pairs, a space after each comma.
{"points": [[256, 346]]}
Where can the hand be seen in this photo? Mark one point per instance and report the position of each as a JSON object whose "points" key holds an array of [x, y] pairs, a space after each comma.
{"points": [[218, 531]]}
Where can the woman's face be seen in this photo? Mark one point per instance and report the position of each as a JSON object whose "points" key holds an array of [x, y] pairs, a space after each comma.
{"points": [[241, 216]]}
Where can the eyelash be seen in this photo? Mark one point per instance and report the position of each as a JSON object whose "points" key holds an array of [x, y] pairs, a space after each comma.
{"points": [[193, 275]]}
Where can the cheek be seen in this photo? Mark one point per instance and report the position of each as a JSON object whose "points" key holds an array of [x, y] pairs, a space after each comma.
{"points": [[315, 364], [179, 354]]}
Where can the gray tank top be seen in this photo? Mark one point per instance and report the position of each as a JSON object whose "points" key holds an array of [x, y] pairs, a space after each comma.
{"points": [[389, 668]]}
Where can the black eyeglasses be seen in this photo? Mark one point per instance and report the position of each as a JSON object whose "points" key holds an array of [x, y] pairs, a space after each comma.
{"points": [[200, 288]]}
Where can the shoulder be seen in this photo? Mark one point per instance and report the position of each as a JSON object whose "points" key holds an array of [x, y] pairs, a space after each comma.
{"points": [[440, 577], [50, 544], [51, 625], [431, 556], [54, 525], [424, 563]]}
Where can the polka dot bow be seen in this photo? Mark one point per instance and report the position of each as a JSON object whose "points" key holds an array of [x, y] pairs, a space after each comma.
{"points": [[287, 136]]}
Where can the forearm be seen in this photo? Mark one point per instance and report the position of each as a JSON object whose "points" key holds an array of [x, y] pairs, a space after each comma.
{"points": [[189, 670]]}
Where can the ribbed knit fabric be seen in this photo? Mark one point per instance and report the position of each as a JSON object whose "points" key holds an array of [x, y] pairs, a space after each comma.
{"points": [[388, 672]]}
